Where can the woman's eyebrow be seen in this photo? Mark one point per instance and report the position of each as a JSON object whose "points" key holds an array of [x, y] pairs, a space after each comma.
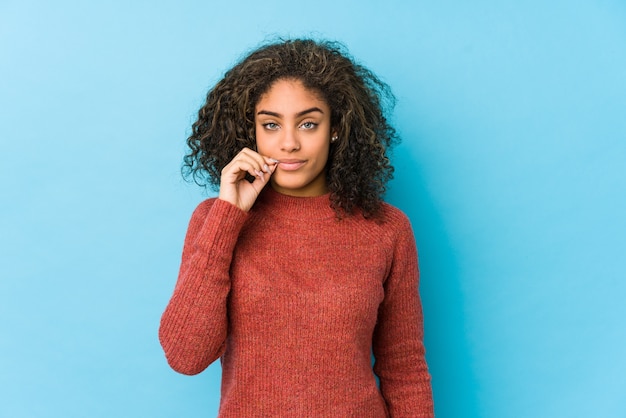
{"points": [[299, 114]]}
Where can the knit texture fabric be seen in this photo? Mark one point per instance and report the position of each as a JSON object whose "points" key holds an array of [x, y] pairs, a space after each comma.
{"points": [[295, 302]]}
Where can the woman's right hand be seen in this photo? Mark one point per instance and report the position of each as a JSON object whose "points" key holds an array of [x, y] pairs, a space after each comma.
{"points": [[235, 189]]}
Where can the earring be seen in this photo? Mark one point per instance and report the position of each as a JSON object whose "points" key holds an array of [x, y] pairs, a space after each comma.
{"points": [[333, 139]]}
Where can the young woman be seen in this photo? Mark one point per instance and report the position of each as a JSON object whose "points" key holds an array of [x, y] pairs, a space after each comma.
{"points": [[299, 271]]}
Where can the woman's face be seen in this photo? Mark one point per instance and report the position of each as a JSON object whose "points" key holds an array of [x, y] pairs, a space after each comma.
{"points": [[293, 126]]}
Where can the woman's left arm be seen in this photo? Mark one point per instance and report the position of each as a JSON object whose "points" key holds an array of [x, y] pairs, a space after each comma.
{"points": [[398, 344]]}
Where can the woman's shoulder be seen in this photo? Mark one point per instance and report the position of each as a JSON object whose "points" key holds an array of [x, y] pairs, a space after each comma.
{"points": [[204, 206], [218, 208], [391, 223], [393, 216], [397, 227]]}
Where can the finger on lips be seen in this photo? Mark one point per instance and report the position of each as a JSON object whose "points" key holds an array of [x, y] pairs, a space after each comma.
{"points": [[254, 163]]}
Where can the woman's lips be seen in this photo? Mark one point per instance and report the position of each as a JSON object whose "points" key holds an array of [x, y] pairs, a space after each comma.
{"points": [[290, 165]]}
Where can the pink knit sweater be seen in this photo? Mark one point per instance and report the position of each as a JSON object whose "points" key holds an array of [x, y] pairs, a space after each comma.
{"points": [[294, 302]]}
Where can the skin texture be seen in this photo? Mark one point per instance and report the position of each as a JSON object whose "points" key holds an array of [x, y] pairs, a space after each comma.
{"points": [[293, 126], [235, 188]]}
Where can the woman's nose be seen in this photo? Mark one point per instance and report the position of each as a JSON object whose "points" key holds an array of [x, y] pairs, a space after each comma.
{"points": [[289, 141]]}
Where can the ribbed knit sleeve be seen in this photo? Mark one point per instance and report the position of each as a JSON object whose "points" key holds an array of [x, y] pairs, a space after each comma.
{"points": [[398, 345], [194, 325]]}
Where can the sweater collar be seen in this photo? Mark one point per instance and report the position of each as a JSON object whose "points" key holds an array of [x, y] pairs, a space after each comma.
{"points": [[292, 207]]}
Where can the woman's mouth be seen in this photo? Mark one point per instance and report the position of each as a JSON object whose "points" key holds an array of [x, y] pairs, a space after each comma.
{"points": [[290, 164]]}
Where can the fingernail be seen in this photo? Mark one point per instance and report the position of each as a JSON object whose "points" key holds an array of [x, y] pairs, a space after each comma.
{"points": [[258, 173], [266, 168], [274, 160]]}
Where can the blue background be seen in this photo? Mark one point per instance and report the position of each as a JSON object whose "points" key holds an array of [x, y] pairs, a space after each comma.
{"points": [[512, 171]]}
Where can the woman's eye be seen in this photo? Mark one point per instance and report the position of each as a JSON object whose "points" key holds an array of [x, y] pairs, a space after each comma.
{"points": [[271, 126], [309, 125]]}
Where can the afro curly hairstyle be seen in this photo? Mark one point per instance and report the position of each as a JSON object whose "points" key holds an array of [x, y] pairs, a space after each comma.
{"points": [[358, 166]]}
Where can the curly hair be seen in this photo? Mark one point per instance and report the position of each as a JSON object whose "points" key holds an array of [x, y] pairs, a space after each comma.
{"points": [[358, 166]]}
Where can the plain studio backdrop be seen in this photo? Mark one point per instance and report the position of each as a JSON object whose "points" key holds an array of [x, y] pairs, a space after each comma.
{"points": [[512, 171]]}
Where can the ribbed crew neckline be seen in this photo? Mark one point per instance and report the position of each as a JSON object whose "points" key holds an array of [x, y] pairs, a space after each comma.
{"points": [[294, 207]]}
